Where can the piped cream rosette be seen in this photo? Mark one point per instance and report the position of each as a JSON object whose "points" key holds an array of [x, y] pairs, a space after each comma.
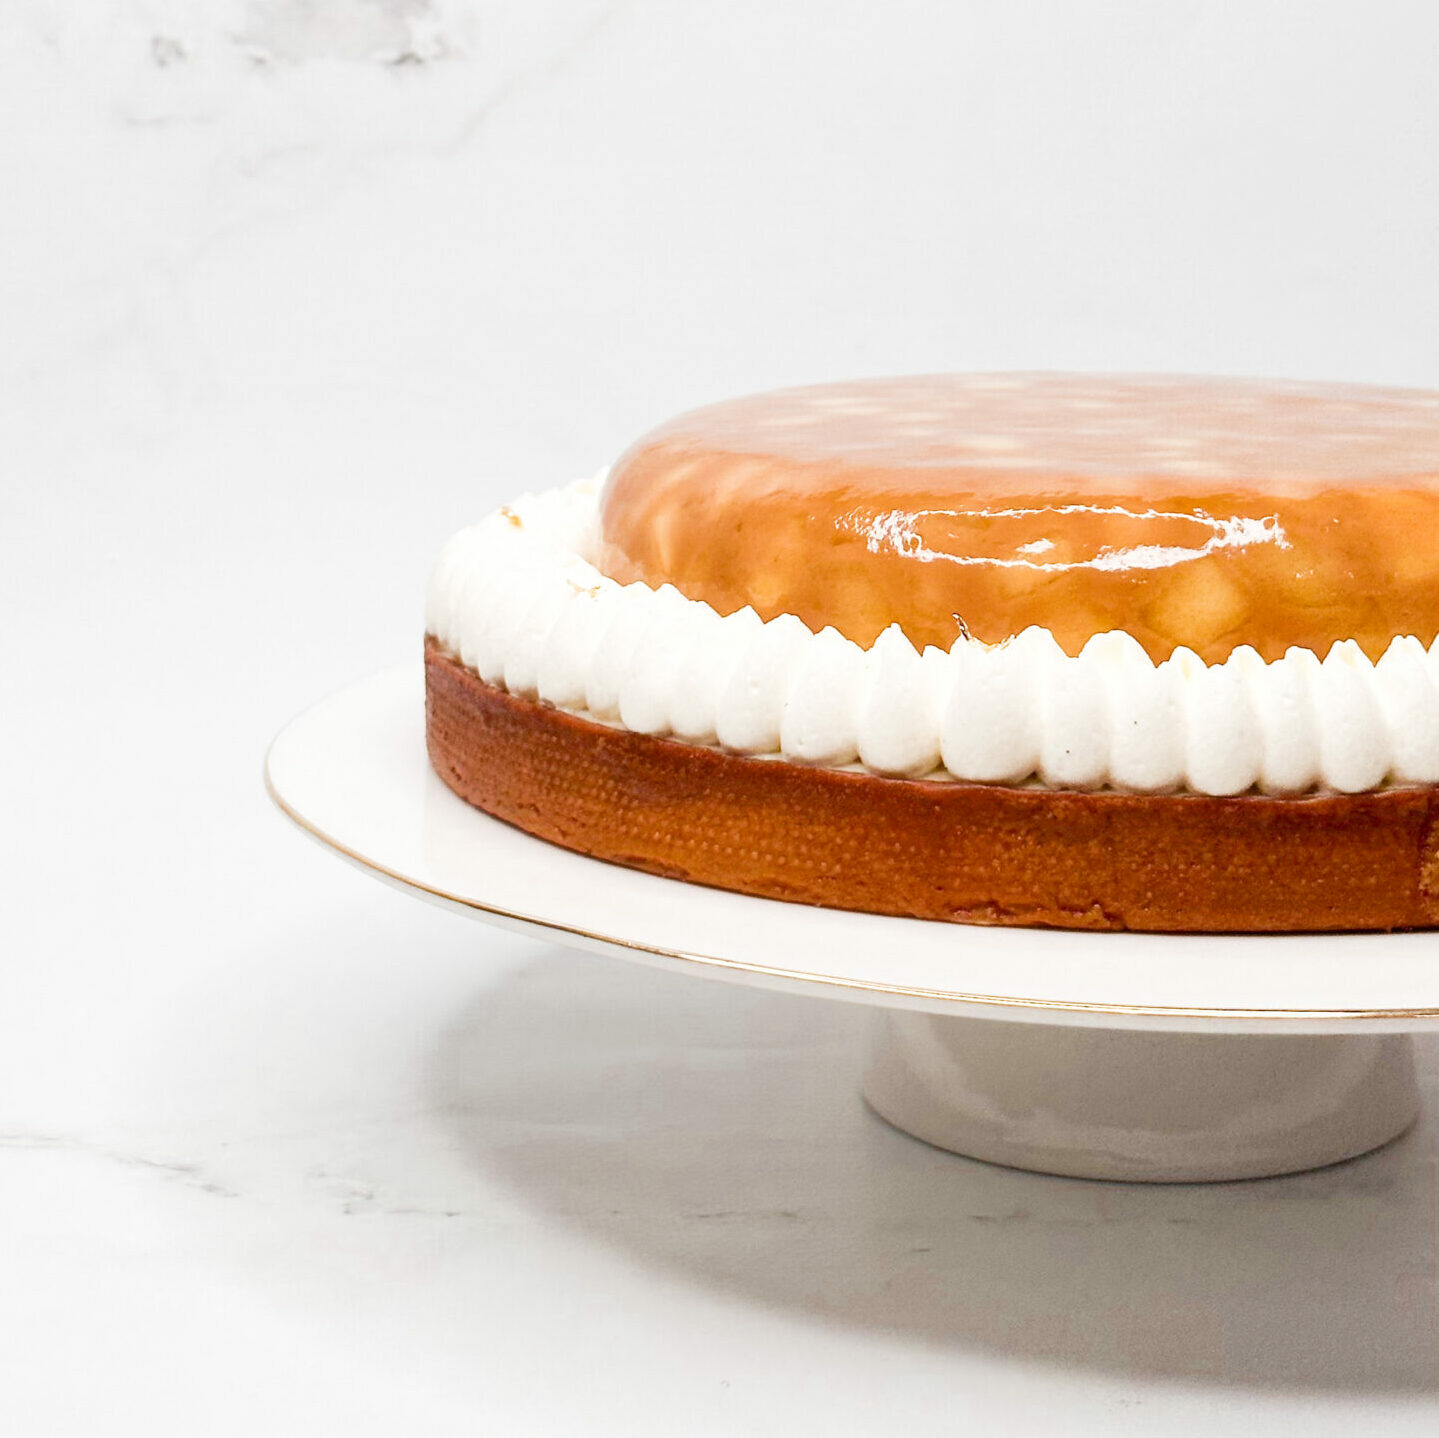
{"points": [[518, 600]]}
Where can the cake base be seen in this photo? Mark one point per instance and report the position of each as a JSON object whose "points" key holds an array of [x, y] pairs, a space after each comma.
{"points": [[1142, 1107], [968, 853]]}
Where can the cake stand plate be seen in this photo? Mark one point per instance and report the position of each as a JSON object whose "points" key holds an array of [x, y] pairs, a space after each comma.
{"points": [[1101, 1055]]}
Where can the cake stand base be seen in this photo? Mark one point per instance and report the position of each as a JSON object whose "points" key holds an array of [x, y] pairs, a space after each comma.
{"points": [[1139, 1105]]}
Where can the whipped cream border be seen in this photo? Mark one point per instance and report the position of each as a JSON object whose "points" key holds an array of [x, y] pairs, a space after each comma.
{"points": [[518, 599]]}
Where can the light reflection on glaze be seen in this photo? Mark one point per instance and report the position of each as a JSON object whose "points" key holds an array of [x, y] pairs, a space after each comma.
{"points": [[896, 531]]}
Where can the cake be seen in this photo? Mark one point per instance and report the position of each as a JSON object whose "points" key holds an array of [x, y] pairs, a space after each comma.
{"points": [[1119, 652]]}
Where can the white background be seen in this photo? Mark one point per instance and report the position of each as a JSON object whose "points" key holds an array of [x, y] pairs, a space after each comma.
{"points": [[288, 292]]}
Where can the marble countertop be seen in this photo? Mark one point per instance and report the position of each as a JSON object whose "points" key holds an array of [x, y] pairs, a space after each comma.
{"points": [[291, 291]]}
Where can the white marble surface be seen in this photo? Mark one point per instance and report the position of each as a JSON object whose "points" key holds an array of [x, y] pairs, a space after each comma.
{"points": [[290, 291]]}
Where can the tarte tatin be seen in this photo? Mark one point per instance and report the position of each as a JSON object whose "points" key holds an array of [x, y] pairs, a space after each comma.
{"points": [[1102, 652]]}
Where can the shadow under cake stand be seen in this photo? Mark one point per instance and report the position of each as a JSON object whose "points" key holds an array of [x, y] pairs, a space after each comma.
{"points": [[1098, 1055]]}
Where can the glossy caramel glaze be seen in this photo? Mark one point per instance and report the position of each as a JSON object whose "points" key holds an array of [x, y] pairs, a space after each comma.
{"points": [[1201, 512]]}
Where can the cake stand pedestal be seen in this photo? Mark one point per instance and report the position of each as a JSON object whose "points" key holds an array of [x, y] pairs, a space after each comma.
{"points": [[1145, 1057], [1125, 1104]]}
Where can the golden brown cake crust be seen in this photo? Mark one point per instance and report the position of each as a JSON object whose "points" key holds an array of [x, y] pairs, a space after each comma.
{"points": [[969, 853]]}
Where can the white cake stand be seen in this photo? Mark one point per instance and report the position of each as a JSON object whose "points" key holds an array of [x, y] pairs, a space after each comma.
{"points": [[1121, 1056]]}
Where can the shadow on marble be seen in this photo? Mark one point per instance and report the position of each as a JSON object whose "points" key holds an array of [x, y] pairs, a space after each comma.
{"points": [[716, 1133]]}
